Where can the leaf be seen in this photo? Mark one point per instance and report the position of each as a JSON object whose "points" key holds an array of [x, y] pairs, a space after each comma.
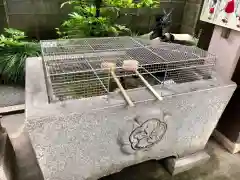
{"points": [[2, 37], [12, 60], [67, 3], [75, 15], [83, 23], [122, 28], [14, 33]]}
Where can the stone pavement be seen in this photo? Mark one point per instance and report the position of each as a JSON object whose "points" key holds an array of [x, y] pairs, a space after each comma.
{"points": [[222, 165], [10, 95], [13, 123]]}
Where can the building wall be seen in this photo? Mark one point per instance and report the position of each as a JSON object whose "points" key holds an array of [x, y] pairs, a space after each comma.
{"points": [[39, 18], [2, 16], [36, 17], [191, 16], [227, 51], [145, 21]]}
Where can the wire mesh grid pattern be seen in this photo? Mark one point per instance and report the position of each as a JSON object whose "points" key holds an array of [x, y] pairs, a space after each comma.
{"points": [[74, 67]]}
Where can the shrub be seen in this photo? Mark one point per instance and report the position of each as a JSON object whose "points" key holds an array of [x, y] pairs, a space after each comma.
{"points": [[85, 20], [14, 49], [79, 26]]}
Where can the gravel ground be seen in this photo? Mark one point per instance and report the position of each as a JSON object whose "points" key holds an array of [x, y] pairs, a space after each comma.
{"points": [[221, 166], [10, 95]]}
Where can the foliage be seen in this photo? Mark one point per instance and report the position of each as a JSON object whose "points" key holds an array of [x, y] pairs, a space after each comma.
{"points": [[132, 3], [11, 37], [14, 49], [84, 23], [116, 3], [77, 2], [82, 26]]}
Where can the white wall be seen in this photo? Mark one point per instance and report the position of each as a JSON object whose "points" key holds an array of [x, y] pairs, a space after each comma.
{"points": [[227, 51]]}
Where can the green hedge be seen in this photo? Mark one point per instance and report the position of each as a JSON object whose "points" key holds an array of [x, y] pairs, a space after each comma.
{"points": [[14, 49]]}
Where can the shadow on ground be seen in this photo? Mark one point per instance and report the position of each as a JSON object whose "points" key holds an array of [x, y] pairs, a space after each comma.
{"points": [[11, 95], [221, 166]]}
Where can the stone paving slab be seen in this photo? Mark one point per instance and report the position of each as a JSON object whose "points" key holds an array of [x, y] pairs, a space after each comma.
{"points": [[13, 123], [8, 110], [221, 166], [10, 95]]}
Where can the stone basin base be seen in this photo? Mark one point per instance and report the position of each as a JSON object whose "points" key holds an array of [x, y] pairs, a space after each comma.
{"points": [[90, 138]]}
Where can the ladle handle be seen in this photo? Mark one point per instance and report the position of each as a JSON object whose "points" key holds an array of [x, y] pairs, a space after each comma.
{"points": [[124, 93], [149, 87]]}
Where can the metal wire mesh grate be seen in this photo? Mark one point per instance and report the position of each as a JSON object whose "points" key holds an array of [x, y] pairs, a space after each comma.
{"points": [[75, 46], [73, 67]]}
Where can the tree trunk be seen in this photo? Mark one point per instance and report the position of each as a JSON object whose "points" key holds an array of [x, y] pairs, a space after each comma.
{"points": [[98, 6]]}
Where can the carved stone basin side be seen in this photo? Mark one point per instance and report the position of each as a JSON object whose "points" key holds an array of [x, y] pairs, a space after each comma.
{"points": [[93, 137]]}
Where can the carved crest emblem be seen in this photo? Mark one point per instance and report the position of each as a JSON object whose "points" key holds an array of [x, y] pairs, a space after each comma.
{"points": [[143, 132], [147, 134]]}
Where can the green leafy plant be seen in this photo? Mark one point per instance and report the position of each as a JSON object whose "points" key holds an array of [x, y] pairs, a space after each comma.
{"points": [[132, 3], [81, 26], [79, 2], [14, 49], [85, 21]]}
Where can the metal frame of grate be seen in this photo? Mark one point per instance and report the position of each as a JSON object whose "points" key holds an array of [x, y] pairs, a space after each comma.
{"points": [[73, 67]]}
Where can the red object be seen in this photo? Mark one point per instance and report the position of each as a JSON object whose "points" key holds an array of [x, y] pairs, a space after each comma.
{"points": [[230, 7], [211, 11]]}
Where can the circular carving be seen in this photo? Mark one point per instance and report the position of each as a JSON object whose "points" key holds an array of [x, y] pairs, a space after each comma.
{"points": [[147, 134]]}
